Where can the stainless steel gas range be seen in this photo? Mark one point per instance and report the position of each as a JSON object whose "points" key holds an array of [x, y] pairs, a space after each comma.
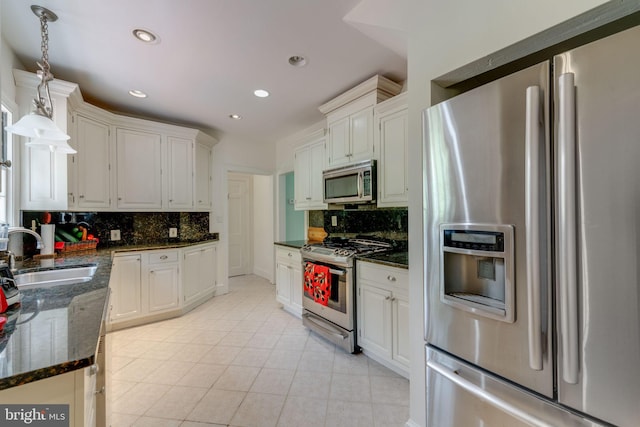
{"points": [[329, 287]]}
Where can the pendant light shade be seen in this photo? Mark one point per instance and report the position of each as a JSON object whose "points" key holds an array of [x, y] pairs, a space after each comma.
{"points": [[58, 146], [39, 124], [35, 125]]}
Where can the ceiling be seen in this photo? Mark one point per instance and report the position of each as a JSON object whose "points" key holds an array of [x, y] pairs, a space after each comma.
{"points": [[212, 55]]}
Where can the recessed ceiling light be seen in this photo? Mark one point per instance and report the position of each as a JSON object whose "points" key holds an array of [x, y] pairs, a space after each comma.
{"points": [[144, 35], [137, 93], [235, 116], [297, 61], [261, 93]]}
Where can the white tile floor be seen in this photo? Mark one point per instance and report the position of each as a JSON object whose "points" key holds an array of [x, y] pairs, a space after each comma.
{"points": [[240, 360]]}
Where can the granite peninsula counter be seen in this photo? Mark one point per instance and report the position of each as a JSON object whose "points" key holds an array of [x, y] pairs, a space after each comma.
{"points": [[56, 329]]}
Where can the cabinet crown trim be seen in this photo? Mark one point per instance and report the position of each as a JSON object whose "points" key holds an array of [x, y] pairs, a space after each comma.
{"points": [[384, 87]]}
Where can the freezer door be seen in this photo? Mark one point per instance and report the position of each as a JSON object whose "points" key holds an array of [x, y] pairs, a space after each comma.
{"points": [[486, 171], [459, 395], [598, 279]]}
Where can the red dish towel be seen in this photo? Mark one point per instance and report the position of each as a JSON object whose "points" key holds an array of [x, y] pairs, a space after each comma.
{"points": [[308, 278], [317, 282], [322, 284]]}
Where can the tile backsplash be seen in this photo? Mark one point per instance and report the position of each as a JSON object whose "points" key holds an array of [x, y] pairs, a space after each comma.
{"points": [[388, 223], [135, 227]]}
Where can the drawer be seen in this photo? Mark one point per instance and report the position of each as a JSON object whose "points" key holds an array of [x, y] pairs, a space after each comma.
{"points": [[383, 275], [289, 254], [163, 257]]}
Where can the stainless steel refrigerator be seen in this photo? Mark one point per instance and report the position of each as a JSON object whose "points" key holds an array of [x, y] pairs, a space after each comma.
{"points": [[532, 243]]}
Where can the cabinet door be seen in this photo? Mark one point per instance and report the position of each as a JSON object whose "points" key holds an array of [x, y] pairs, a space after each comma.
{"points": [[401, 345], [374, 309], [203, 176], [392, 169], [296, 286], [208, 268], [283, 283], [308, 182], [43, 179], [125, 286], [138, 170], [361, 135], [301, 177], [316, 183], [191, 274], [180, 177], [93, 165], [339, 145], [163, 287]]}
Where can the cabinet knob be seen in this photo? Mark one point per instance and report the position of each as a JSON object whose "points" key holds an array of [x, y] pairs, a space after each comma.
{"points": [[308, 198], [387, 298], [289, 254], [170, 200], [391, 278], [81, 196], [164, 257]]}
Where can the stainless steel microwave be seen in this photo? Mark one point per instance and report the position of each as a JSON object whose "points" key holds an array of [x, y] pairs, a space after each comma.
{"points": [[354, 183]]}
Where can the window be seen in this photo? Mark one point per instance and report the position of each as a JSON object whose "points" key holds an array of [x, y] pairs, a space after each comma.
{"points": [[6, 206]]}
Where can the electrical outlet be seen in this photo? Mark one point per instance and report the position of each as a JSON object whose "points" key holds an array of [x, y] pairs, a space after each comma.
{"points": [[115, 235], [334, 221], [173, 232]]}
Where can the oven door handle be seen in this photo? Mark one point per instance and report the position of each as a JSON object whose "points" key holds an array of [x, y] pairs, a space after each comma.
{"points": [[323, 327]]}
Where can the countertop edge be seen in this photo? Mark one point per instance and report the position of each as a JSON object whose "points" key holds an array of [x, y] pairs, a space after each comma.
{"points": [[43, 373]]}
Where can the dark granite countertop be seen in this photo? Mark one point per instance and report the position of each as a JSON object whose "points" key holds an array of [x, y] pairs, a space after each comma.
{"points": [[162, 245], [56, 329], [297, 244], [392, 259]]}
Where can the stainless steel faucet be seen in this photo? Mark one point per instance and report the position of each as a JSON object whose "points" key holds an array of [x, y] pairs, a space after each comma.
{"points": [[13, 230]]}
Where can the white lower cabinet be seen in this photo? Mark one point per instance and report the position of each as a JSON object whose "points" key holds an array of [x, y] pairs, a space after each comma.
{"points": [[383, 314], [289, 279], [143, 284], [199, 277], [126, 288], [162, 274], [76, 389]]}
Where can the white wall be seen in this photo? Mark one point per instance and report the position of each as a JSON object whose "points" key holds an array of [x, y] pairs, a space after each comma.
{"points": [[263, 223], [445, 35], [234, 155]]}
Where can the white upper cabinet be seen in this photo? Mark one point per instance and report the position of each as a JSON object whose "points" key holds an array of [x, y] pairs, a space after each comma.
{"points": [[351, 123], [392, 144], [122, 162], [138, 169], [90, 167], [43, 173], [204, 178], [180, 173], [307, 172]]}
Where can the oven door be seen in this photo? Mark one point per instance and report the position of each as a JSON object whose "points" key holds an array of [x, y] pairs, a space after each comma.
{"points": [[339, 307]]}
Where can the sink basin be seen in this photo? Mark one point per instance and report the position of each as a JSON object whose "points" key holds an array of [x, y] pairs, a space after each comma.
{"points": [[56, 277]]}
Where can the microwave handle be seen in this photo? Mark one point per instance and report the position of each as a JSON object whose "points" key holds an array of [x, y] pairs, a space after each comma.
{"points": [[360, 183]]}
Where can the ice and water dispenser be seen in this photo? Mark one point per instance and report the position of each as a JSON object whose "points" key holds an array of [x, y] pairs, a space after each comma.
{"points": [[477, 269]]}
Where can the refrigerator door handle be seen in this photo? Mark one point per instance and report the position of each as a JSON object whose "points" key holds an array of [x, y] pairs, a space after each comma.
{"points": [[567, 240], [532, 222], [503, 405]]}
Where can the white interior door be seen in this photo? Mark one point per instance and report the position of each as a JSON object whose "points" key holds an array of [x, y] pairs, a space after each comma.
{"points": [[240, 224]]}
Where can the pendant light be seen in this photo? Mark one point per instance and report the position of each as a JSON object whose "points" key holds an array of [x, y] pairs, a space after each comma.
{"points": [[38, 124]]}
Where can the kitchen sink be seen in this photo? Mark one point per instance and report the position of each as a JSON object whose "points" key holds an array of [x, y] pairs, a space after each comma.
{"points": [[56, 276]]}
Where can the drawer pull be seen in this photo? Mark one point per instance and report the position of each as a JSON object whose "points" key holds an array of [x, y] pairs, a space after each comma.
{"points": [[391, 278], [163, 257]]}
